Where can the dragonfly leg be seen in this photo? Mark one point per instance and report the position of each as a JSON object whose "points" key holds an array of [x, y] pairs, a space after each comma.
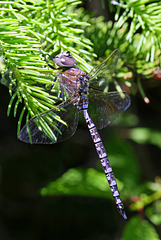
{"points": [[47, 61], [62, 92], [51, 87], [105, 163]]}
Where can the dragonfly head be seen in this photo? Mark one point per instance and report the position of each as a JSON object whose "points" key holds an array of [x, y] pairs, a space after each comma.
{"points": [[65, 59]]}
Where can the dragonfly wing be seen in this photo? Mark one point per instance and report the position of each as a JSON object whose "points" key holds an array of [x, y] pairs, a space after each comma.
{"points": [[104, 108], [100, 75], [51, 126]]}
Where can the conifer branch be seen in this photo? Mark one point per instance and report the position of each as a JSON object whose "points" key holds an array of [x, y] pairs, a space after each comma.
{"points": [[25, 29]]}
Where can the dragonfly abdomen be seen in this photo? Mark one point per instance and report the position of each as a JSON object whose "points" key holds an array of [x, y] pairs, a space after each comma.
{"points": [[105, 162]]}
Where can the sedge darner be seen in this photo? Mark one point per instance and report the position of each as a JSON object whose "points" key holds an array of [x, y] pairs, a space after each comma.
{"points": [[86, 94]]}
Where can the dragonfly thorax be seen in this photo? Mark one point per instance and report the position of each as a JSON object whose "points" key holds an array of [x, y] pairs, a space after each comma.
{"points": [[74, 80]]}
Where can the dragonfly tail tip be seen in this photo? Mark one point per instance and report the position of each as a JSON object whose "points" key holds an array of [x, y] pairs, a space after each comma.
{"points": [[124, 215], [122, 212]]}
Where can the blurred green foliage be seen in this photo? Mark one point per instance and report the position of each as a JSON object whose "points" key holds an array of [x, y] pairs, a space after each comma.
{"points": [[139, 229], [92, 182], [80, 182], [146, 135], [154, 213]]}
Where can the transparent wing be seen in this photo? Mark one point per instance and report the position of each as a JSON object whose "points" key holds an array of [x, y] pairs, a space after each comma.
{"points": [[100, 75], [50, 127], [104, 108]]}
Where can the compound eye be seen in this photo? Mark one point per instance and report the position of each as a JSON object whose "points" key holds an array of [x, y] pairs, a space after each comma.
{"points": [[67, 54]]}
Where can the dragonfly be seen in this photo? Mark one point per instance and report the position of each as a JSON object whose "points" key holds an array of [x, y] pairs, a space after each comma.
{"points": [[86, 94]]}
